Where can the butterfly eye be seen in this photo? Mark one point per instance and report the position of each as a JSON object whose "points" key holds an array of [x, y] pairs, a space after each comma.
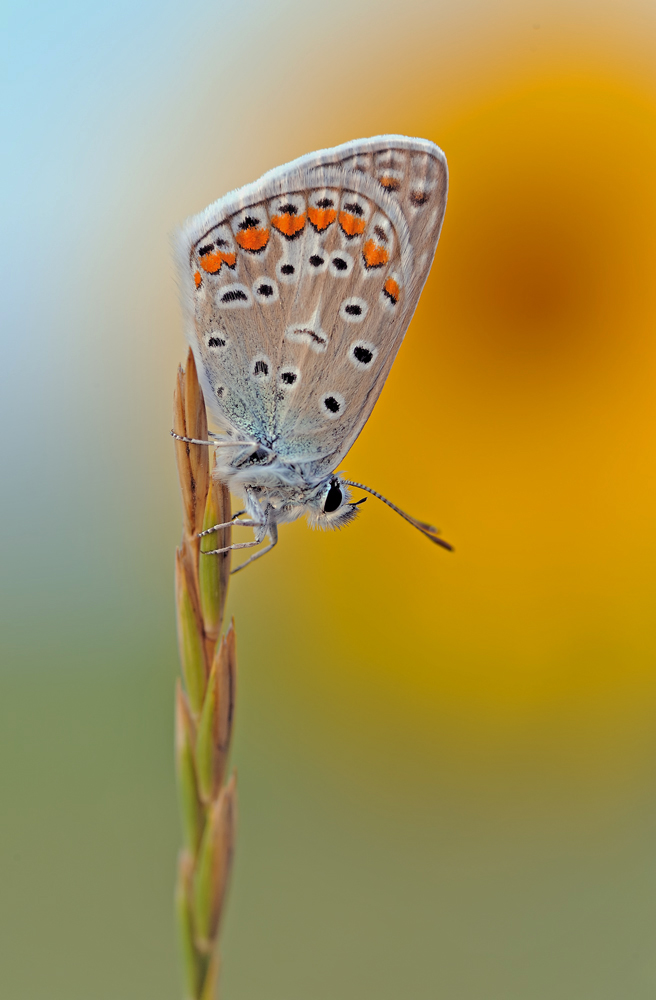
{"points": [[333, 499]]}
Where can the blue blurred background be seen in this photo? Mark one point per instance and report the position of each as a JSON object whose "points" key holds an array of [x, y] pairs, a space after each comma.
{"points": [[446, 763]]}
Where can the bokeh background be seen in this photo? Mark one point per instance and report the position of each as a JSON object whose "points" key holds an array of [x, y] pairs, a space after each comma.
{"points": [[447, 763]]}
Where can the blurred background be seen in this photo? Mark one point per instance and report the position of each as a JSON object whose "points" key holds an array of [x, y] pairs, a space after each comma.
{"points": [[447, 763]]}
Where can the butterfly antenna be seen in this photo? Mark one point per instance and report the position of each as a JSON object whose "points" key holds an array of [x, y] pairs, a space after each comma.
{"points": [[426, 529]]}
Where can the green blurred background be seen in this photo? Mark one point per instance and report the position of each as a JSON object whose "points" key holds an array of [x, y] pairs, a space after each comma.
{"points": [[447, 764]]}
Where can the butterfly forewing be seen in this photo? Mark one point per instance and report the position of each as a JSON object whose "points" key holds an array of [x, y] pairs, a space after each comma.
{"points": [[301, 286], [414, 173]]}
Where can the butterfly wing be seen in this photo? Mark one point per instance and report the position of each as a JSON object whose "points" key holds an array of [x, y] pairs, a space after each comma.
{"points": [[414, 173], [298, 290]]}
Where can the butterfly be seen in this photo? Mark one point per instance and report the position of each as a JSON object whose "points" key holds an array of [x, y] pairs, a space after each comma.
{"points": [[297, 291]]}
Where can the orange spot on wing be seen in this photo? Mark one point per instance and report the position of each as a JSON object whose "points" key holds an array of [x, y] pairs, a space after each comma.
{"points": [[197, 279], [288, 225], [391, 290], [391, 183], [374, 255], [352, 225], [211, 262], [253, 239], [321, 218]]}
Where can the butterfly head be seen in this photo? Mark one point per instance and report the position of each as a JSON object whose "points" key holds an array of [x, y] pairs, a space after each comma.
{"points": [[330, 506]]}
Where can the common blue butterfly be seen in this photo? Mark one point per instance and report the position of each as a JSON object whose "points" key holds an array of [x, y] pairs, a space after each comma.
{"points": [[297, 291]]}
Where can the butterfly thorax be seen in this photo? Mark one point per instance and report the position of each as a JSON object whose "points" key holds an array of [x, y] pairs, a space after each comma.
{"points": [[284, 490], [262, 472]]}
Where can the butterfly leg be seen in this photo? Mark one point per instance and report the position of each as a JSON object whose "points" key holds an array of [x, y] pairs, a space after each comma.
{"points": [[235, 545], [216, 442], [261, 529], [229, 524], [273, 535]]}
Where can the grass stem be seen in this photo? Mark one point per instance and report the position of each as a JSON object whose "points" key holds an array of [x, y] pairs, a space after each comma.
{"points": [[205, 698]]}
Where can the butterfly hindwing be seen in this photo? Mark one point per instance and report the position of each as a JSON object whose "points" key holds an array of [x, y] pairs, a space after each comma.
{"points": [[299, 289]]}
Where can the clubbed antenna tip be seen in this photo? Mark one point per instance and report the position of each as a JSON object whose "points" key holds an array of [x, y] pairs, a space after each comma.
{"points": [[426, 529]]}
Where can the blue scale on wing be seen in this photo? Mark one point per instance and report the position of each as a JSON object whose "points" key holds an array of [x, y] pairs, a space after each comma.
{"points": [[247, 368]]}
